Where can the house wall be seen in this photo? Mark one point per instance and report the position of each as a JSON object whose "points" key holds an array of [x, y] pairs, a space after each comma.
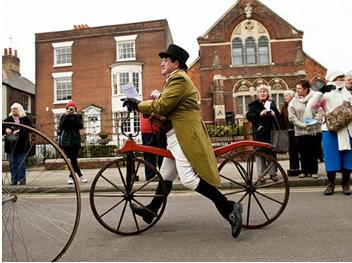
{"points": [[93, 55]]}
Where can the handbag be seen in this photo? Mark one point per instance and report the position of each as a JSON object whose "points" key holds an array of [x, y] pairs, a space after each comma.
{"points": [[339, 117], [11, 138], [279, 139]]}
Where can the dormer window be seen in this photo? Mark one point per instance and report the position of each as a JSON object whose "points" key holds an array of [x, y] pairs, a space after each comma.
{"points": [[125, 48]]}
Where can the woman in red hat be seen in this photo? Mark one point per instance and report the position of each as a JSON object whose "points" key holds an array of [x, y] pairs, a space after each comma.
{"points": [[70, 138]]}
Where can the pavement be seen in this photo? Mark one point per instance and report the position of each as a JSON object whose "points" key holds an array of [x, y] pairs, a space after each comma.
{"points": [[294, 181], [56, 180]]}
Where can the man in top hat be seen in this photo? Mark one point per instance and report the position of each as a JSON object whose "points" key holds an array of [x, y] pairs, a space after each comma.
{"points": [[196, 166]]}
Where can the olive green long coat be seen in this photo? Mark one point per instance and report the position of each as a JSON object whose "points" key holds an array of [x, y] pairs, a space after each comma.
{"points": [[179, 103]]}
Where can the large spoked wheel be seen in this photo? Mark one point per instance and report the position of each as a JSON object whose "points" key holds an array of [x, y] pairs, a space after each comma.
{"points": [[113, 193], [263, 197], [40, 212]]}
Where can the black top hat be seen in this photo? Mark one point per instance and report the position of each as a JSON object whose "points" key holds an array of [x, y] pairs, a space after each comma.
{"points": [[176, 52]]}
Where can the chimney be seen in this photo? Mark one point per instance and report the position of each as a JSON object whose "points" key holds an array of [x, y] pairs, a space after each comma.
{"points": [[10, 62], [81, 26]]}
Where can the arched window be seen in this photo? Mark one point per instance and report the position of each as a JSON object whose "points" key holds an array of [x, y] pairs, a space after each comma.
{"points": [[250, 51], [237, 51], [263, 50], [250, 44]]}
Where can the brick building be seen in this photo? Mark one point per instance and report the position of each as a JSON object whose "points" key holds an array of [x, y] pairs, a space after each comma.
{"points": [[15, 88], [249, 45], [89, 65]]}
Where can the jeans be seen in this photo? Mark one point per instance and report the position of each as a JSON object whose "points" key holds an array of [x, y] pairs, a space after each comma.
{"points": [[17, 167]]}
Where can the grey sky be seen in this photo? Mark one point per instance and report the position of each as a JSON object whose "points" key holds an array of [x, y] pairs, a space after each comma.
{"points": [[326, 24]]}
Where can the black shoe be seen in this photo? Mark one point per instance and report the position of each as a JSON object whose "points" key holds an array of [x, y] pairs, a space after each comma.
{"points": [[235, 219], [147, 216]]}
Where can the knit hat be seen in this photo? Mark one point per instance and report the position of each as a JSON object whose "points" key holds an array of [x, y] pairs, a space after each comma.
{"points": [[268, 88], [71, 104]]}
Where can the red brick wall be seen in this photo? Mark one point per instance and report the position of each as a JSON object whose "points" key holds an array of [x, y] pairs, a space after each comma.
{"points": [[93, 52], [289, 62]]}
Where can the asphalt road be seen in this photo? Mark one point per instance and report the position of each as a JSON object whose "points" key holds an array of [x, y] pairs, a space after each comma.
{"points": [[312, 228]]}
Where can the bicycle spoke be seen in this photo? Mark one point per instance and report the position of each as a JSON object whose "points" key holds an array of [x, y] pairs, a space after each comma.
{"points": [[233, 181], [236, 192], [121, 217], [261, 207], [270, 184], [270, 198], [110, 209], [249, 208]]}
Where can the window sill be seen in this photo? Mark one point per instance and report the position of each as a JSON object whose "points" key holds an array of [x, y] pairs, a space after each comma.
{"points": [[251, 65], [62, 65], [61, 102]]}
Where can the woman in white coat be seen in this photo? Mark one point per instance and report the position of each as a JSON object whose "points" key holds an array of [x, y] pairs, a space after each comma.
{"points": [[337, 145]]}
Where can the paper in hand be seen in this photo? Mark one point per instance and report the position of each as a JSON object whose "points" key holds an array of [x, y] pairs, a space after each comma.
{"points": [[267, 105], [130, 90]]}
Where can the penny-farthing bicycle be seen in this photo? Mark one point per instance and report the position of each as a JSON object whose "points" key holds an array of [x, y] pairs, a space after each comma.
{"points": [[39, 216], [115, 189]]}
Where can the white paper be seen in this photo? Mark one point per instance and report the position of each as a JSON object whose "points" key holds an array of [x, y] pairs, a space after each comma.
{"points": [[267, 105], [130, 90]]}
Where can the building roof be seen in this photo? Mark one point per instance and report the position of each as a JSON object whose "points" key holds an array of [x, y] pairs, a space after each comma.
{"points": [[14, 80], [86, 31]]}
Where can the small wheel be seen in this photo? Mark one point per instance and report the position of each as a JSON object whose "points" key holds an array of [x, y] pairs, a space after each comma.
{"points": [[112, 194], [40, 212], [263, 199]]}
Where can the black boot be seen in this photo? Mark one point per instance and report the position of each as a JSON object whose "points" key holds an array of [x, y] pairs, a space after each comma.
{"points": [[346, 176], [230, 210], [150, 211], [331, 185]]}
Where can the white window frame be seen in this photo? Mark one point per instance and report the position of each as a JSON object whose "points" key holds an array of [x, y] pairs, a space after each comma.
{"points": [[242, 95], [57, 115], [257, 31], [58, 45], [57, 76], [130, 39], [28, 102], [130, 69]]}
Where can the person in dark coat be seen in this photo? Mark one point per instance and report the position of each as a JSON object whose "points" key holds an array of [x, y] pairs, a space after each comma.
{"points": [[70, 138], [287, 125], [262, 113], [17, 143]]}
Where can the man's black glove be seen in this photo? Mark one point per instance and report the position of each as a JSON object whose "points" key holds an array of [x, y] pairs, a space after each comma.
{"points": [[131, 103]]}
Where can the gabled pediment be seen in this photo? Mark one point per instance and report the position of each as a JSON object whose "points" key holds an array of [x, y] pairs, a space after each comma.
{"points": [[92, 110], [247, 10]]}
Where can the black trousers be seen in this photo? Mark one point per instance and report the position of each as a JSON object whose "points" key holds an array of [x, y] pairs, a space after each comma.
{"points": [[293, 151], [72, 154], [150, 139], [307, 148]]}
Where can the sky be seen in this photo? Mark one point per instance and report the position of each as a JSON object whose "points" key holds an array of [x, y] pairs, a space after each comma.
{"points": [[327, 24]]}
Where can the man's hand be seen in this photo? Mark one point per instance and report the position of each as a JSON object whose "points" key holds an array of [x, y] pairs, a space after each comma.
{"points": [[131, 103], [8, 131]]}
